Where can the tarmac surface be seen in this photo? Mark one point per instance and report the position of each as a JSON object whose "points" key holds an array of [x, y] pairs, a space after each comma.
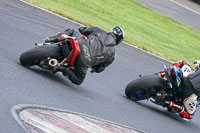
{"points": [[101, 95]]}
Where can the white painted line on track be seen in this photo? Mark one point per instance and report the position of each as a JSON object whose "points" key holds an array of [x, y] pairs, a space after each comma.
{"points": [[79, 121], [83, 25], [42, 119], [185, 7], [39, 123]]}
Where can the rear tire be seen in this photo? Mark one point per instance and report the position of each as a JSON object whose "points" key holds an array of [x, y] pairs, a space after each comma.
{"points": [[151, 81], [35, 55]]}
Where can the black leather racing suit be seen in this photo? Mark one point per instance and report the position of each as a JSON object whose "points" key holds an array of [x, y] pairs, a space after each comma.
{"points": [[97, 51]]}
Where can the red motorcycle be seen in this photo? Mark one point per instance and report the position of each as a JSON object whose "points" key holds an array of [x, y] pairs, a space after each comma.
{"points": [[52, 55]]}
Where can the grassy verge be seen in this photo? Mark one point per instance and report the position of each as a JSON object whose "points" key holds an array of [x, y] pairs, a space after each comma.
{"points": [[144, 28]]}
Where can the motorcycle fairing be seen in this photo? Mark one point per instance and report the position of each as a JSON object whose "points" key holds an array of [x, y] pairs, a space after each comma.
{"points": [[175, 74], [75, 48]]}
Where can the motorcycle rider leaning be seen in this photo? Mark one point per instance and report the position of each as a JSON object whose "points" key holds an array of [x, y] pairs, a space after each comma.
{"points": [[97, 51], [188, 91]]}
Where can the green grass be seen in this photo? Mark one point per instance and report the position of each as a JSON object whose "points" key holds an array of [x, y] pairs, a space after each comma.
{"points": [[144, 28]]}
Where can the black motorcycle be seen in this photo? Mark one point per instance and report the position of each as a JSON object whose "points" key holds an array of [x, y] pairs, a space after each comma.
{"points": [[160, 88]]}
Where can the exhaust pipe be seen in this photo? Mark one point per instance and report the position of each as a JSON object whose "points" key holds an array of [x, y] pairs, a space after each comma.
{"points": [[53, 63]]}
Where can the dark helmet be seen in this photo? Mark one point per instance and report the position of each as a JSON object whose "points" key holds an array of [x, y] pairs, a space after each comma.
{"points": [[118, 34], [177, 76]]}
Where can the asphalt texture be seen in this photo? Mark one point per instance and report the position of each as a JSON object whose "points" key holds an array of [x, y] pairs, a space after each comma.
{"points": [[101, 95], [186, 12]]}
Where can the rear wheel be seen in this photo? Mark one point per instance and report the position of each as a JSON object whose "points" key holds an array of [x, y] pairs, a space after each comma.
{"points": [[35, 55], [141, 88]]}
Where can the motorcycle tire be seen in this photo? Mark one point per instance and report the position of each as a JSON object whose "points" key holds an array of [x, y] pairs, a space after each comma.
{"points": [[150, 81], [35, 55]]}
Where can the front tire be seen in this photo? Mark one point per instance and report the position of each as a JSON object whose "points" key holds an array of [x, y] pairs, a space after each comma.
{"points": [[35, 55], [138, 89]]}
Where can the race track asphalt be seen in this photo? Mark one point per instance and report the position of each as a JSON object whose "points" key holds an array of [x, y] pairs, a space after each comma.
{"points": [[101, 95], [184, 11]]}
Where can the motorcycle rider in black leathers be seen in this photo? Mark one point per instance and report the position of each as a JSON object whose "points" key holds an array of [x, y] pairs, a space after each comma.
{"points": [[96, 52]]}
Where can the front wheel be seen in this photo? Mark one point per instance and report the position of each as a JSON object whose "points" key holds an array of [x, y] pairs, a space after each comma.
{"points": [[140, 88], [37, 54]]}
